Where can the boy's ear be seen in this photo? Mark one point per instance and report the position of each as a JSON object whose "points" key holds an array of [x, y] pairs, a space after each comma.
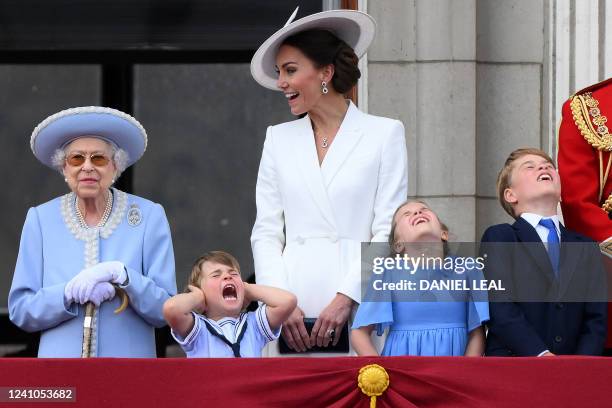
{"points": [[509, 196], [398, 247], [444, 236]]}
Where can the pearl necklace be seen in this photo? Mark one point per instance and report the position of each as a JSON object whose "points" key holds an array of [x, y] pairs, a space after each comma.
{"points": [[105, 215]]}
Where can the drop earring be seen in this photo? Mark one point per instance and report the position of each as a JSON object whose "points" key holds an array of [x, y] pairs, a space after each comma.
{"points": [[324, 89]]}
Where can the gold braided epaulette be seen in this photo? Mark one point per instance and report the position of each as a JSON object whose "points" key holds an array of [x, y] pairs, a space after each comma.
{"points": [[607, 205], [583, 108], [606, 248]]}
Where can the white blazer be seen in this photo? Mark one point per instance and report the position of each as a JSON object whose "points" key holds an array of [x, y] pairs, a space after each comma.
{"points": [[312, 219]]}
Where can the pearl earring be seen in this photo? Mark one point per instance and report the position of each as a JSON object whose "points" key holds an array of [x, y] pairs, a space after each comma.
{"points": [[324, 89], [66, 179]]}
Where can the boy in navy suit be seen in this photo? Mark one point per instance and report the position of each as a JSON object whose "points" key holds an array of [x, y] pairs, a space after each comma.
{"points": [[541, 269]]}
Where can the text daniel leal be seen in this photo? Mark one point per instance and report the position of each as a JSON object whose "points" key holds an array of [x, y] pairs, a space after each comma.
{"points": [[444, 284]]}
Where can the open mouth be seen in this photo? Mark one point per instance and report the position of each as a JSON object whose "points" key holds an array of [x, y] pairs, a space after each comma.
{"points": [[544, 177], [292, 95], [419, 220], [229, 292]]}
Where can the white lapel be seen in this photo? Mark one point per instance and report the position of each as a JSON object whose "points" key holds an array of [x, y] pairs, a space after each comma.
{"points": [[345, 141], [305, 154]]}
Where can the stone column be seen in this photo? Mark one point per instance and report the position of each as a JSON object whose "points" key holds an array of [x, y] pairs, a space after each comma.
{"points": [[509, 81], [422, 70], [473, 80]]}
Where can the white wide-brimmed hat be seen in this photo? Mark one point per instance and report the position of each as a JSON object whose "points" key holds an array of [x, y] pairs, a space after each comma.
{"points": [[109, 124], [355, 28]]}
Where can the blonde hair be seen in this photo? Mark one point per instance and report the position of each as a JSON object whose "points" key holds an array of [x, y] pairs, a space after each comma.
{"points": [[393, 241], [221, 257], [504, 178]]}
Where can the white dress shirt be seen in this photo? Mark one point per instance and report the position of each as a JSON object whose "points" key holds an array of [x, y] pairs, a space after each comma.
{"points": [[534, 220]]}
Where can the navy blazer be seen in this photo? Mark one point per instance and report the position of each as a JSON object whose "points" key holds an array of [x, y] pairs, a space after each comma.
{"points": [[524, 328]]}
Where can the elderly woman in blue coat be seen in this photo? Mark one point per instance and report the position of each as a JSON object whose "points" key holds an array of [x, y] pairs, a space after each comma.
{"points": [[88, 245]]}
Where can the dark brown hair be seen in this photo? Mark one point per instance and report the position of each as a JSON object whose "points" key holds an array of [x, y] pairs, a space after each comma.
{"points": [[322, 47]]}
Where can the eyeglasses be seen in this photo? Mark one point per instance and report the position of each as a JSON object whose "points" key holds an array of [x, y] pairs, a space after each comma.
{"points": [[97, 159]]}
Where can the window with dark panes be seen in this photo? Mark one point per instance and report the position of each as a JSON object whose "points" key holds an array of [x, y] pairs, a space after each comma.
{"points": [[181, 67]]}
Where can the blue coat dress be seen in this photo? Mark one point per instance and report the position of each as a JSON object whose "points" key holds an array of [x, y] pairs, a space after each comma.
{"points": [[424, 322], [55, 247]]}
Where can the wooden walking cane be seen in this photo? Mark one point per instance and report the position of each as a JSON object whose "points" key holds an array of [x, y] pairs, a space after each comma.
{"points": [[90, 309]]}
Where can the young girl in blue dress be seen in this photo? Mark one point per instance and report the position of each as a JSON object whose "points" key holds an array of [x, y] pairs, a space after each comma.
{"points": [[451, 327]]}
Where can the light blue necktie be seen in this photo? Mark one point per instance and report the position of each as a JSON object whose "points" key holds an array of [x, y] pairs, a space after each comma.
{"points": [[553, 243]]}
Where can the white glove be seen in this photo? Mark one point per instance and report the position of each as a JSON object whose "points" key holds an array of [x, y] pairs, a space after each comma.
{"points": [[80, 287], [102, 292]]}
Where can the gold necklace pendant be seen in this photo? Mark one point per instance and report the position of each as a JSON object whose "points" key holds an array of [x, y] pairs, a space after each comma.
{"points": [[324, 143]]}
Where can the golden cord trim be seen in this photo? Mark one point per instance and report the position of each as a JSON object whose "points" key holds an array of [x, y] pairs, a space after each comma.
{"points": [[583, 107], [580, 111], [607, 205], [606, 248], [605, 175]]}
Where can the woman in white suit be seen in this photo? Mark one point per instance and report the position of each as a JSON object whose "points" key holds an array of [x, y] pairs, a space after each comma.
{"points": [[327, 181]]}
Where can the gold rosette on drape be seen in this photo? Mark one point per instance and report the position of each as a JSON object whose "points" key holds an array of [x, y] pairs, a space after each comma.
{"points": [[373, 381]]}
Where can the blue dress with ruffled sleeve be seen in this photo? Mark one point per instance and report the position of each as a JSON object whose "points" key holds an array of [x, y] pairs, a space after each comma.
{"points": [[427, 322]]}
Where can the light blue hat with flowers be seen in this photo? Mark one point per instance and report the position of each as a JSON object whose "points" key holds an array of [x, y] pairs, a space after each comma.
{"points": [[108, 124]]}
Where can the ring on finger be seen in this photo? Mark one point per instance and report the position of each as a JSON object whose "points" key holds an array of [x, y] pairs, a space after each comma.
{"points": [[331, 333]]}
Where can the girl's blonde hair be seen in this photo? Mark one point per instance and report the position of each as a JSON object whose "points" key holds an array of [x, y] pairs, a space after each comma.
{"points": [[393, 241]]}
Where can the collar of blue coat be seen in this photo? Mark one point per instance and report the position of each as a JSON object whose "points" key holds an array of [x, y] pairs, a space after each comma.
{"points": [[84, 233]]}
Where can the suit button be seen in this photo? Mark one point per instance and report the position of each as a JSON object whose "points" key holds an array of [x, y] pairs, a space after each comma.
{"points": [[558, 339], [559, 305]]}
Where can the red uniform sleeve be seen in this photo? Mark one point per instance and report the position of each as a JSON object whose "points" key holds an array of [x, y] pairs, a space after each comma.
{"points": [[579, 170]]}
